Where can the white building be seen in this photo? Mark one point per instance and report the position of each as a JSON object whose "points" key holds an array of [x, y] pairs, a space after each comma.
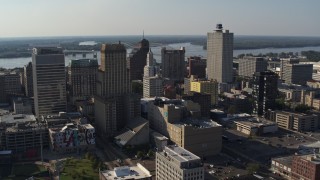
{"points": [[177, 163], [220, 55], [152, 83], [125, 172]]}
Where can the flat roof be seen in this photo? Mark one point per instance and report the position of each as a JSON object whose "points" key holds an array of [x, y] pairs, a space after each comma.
{"points": [[17, 118], [199, 123], [125, 172], [159, 136], [180, 154], [287, 160], [254, 122]]}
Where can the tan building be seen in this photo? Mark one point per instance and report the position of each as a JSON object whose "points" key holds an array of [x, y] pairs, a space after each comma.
{"points": [[308, 98], [114, 104], [200, 136], [220, 55], [254, 126], [297, 122], [177, 163], [209, 87]]}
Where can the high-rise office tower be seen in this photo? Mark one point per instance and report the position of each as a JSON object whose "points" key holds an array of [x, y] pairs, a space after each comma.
{"points": [[114, 104], [82, 78], [28, 79], [265, 89], [152, 83], [249, 65], [49, 80], [173, 64], [137, 59], [220, 55]]}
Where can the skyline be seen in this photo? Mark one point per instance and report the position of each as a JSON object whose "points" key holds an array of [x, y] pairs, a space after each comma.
{"points": [[36, 18]]}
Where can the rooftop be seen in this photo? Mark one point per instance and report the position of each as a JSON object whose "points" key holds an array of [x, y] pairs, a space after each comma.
{"points": [[125, 172], [199, 123], [287, 160], [314, 158], [256, 122], [17, 118], [179, 154]]}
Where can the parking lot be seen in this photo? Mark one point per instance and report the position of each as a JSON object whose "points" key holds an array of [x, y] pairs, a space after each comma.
{"points": [[222, 166], [263, 148]]}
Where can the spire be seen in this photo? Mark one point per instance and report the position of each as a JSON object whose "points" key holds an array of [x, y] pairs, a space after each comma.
{"points": [[142, 34]]}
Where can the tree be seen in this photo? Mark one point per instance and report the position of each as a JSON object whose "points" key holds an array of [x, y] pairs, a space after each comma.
{"points": [[150, 153], [140, 154], [252, 167], [232, 109], [302, 108]]}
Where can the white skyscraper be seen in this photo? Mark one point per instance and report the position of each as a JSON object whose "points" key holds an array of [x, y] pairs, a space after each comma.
{"points": [[220, 55], [49, 81], [152, 83]]}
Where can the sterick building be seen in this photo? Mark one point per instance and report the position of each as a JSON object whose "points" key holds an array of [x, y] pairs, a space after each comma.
{"points": [[114, 104], [177, 163], [152, 83], [173, 63], [82, 78], [220, 55], [49, 80]]}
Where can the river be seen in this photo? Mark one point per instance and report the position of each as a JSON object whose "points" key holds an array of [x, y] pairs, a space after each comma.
{"points": [[191, 50]]}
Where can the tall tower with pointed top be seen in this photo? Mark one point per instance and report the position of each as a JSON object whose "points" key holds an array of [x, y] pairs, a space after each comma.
{"points": [[220, 55], [152, 82], [137, 59]]}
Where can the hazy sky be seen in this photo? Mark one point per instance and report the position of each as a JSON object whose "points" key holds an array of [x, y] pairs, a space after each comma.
{"points": [[23, 18]]}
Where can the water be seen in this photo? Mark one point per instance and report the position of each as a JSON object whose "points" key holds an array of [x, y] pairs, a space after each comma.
{"points": [[87, 43], [191, 50]]}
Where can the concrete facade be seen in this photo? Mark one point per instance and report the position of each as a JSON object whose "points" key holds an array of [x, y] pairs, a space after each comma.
{"points": [[49, 81], [297, 73], [297, 122], [173, 64], [114, 103], [82, 78], [209, 87], [220, 55], [177, 163], [200, 136], [249, 65], [28, 79]]}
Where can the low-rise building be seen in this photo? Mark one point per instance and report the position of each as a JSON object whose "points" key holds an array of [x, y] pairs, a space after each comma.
{"points": [[71, 138], [126, 172], [306, 167], [177, 163], [22, 105], [297, 122], [256, 126], [158, 140], [136, 132], [282, 166], [180, 121]]}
